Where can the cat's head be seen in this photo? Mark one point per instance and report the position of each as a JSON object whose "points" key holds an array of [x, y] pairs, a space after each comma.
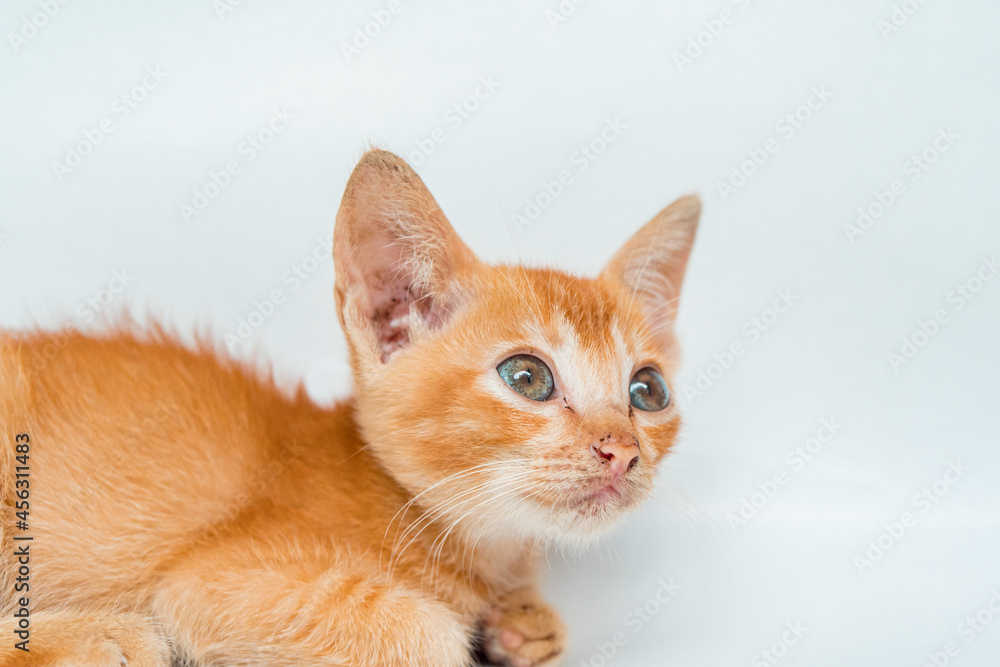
{"points": [[515, 400]]}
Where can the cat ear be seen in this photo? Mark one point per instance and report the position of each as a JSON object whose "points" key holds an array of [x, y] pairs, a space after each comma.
{"points": [[397, 259], [651, 264]]}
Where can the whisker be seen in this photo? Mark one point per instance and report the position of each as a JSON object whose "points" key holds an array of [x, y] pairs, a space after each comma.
{"points": [[435, 550], [444, 537], [457, 475], [453, 477], [433, 513]]}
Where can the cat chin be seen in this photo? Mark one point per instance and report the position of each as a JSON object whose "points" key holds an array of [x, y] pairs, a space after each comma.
{"points": [[583, 533], [579, 524]]}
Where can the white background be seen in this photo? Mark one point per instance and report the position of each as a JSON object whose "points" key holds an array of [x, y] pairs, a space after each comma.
{"points": [[688, 125]]}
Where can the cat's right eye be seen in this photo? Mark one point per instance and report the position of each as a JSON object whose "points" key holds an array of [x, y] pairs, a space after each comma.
{"points": [[528, 376]]}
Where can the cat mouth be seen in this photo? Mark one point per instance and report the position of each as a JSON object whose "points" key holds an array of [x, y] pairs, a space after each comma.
{"points": [[598, 498], [605, 494]]}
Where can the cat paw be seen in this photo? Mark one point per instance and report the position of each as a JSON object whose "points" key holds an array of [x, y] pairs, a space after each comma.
{"points": [[109, 654], [523, 631]]}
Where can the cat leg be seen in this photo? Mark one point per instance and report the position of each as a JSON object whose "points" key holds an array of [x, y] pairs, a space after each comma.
{"points": [[244, 607], [70, 638], [523, 631]]}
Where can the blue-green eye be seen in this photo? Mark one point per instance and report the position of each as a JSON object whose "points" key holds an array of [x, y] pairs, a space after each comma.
{"points": [[648, 391], [528, 376]]}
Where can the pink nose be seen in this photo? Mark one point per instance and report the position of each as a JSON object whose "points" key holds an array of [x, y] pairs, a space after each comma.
{"points": [[620, 454]]}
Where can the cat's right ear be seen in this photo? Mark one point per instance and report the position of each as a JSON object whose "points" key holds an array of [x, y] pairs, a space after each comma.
{"points": [[398, 261]]}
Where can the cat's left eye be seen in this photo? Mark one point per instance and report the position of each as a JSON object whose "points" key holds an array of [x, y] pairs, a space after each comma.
{"points": [[528, 376], [648, 391]]}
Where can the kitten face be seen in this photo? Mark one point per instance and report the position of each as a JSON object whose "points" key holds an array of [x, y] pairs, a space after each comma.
{"points": [[548, 445]]}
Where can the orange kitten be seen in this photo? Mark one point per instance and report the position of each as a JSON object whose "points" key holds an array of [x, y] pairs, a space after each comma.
{"points": [[181, 505]]}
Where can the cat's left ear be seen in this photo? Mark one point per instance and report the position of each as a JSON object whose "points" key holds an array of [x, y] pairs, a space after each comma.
{"points": [[398, 261], [651, 264]]}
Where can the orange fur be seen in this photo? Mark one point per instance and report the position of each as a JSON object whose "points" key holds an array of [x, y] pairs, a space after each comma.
{"points": [[182, 503]]}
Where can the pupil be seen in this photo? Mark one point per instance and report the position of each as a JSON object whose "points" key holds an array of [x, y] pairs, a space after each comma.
{"points": [[523, 376]]}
